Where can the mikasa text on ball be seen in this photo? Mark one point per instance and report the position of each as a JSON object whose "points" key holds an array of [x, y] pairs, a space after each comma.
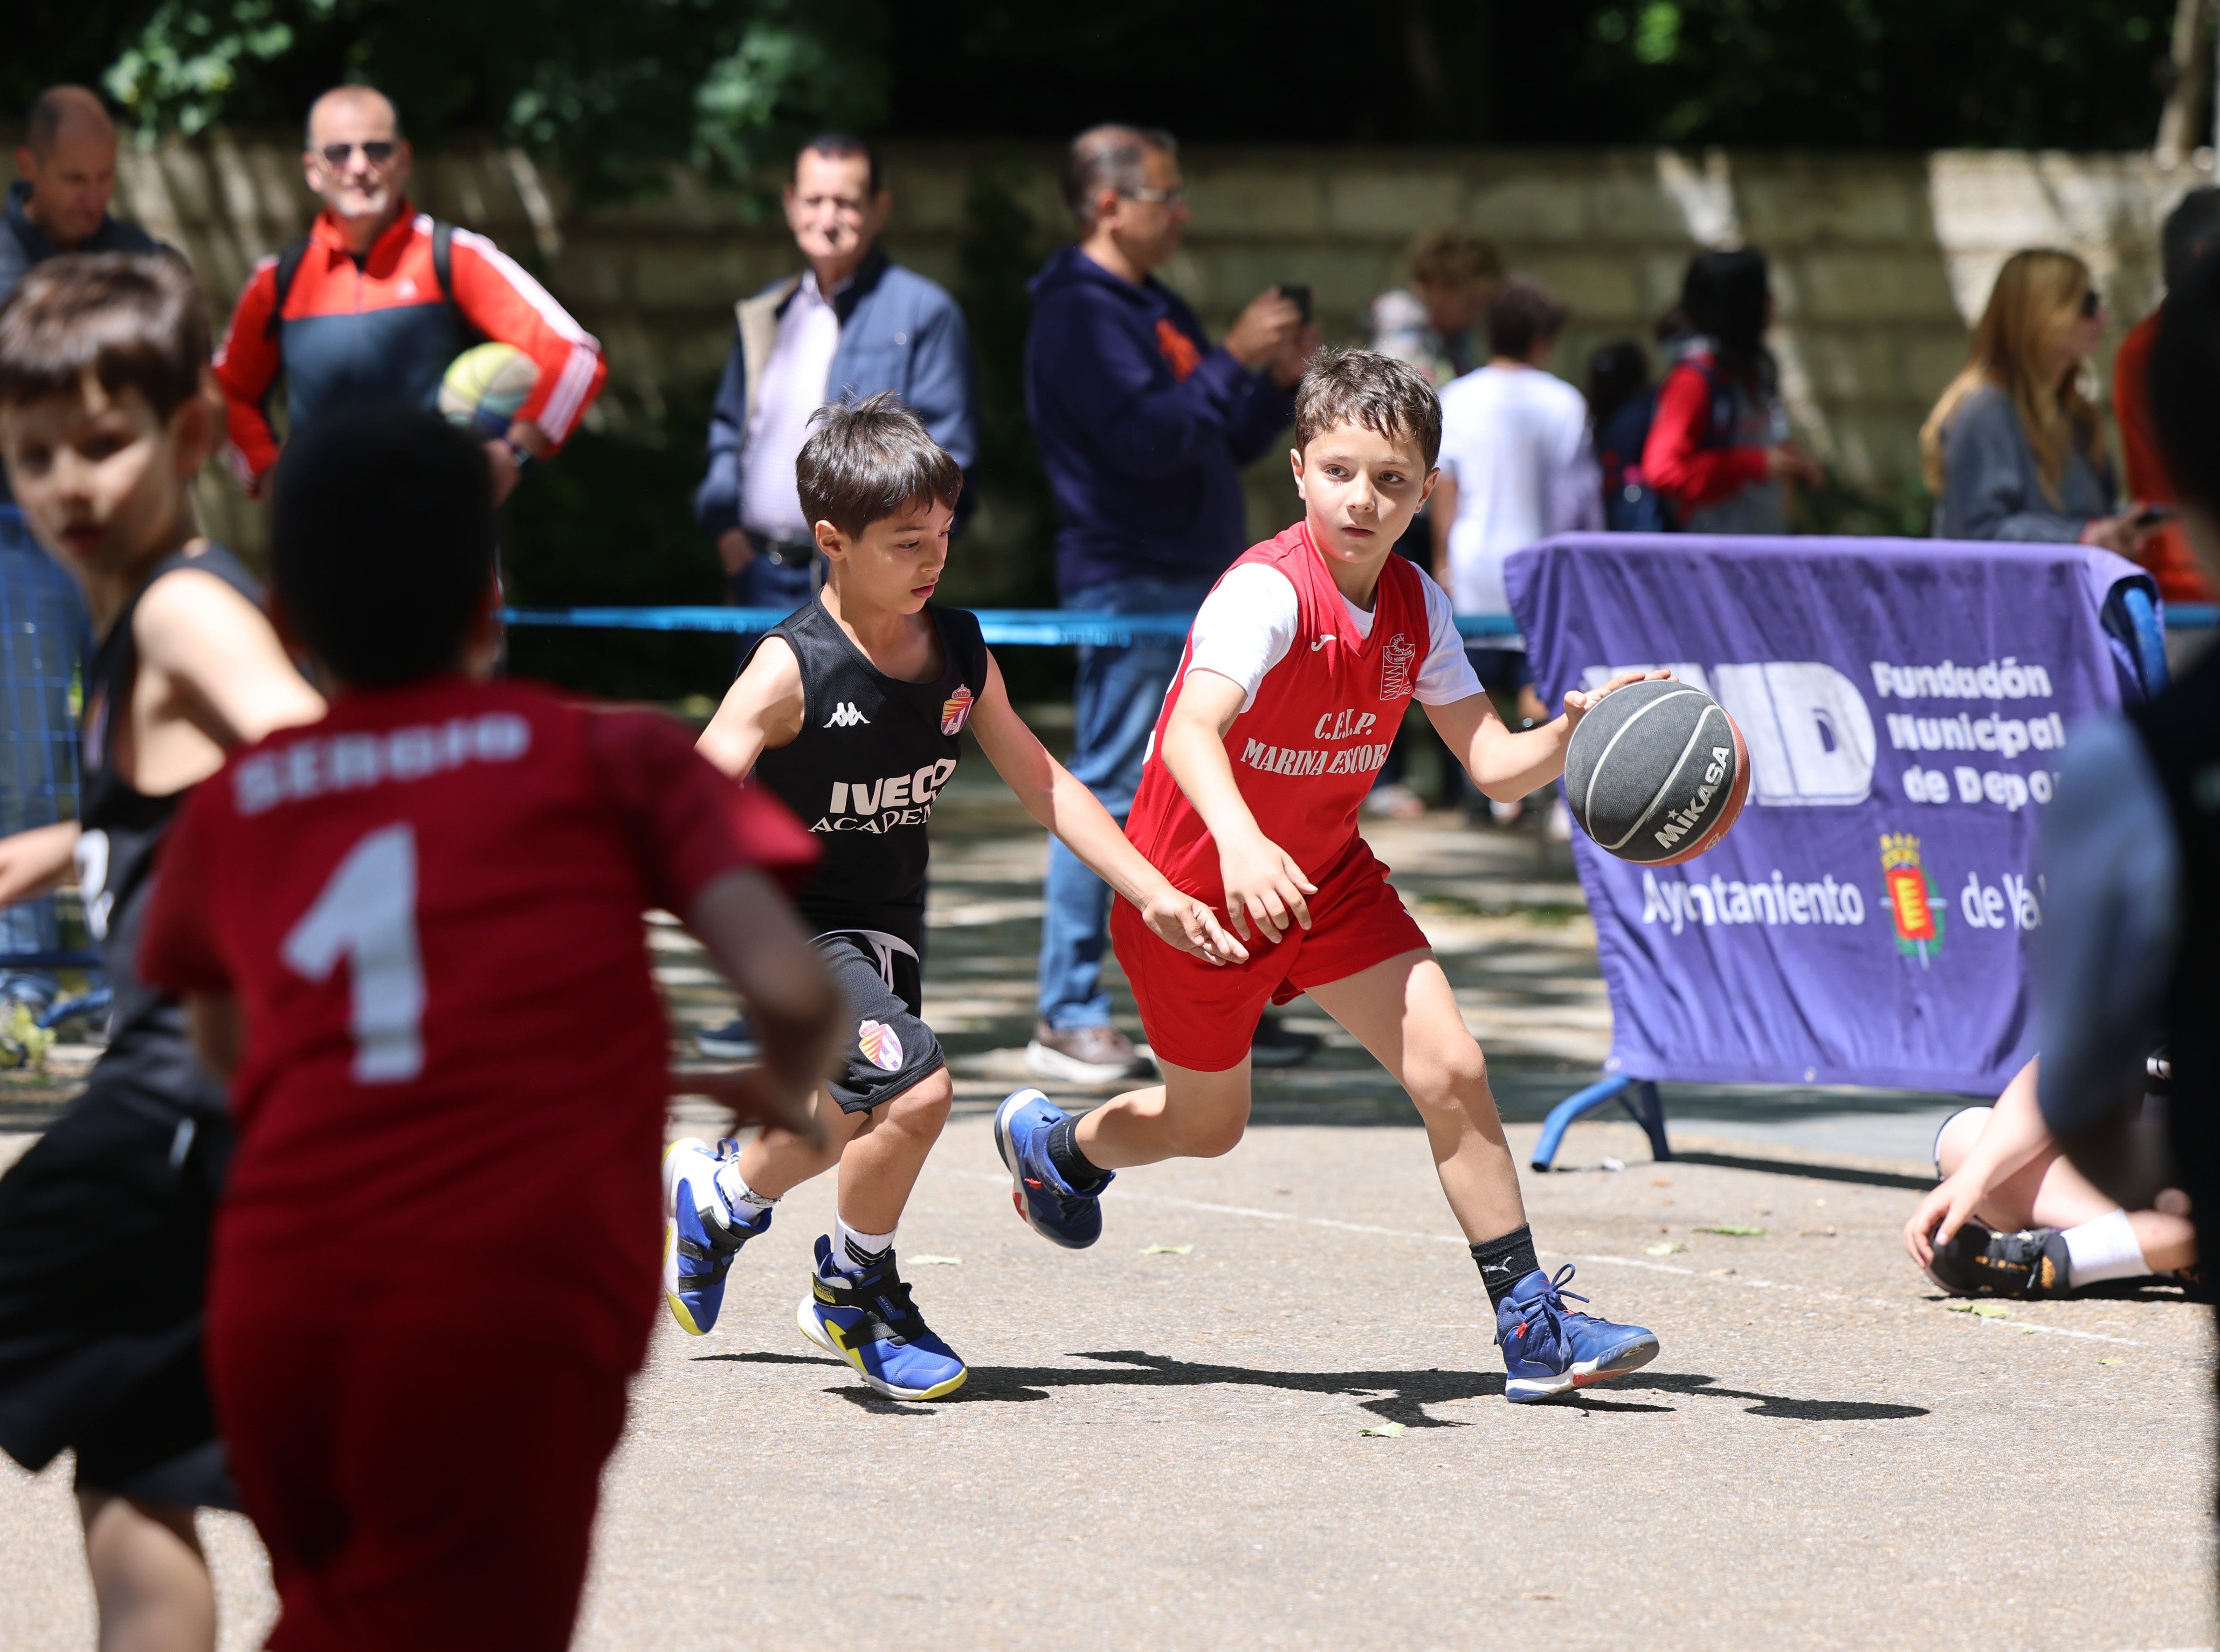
{"points": [[1657, 772]]}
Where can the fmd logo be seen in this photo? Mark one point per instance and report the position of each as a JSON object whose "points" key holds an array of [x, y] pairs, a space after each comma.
{"points": [[1810, 735]]}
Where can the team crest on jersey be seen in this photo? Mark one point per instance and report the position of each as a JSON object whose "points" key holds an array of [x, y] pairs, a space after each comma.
{"points": [[955, 710], [880, 1046], [1396, 656]]}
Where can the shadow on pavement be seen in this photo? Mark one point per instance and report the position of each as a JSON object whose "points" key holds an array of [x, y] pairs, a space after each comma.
{"points": [[1808, 1170], [1394, 1396]]}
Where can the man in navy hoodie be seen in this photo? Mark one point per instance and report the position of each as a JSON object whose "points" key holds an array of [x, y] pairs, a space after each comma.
{"points": [[1143, 426]]}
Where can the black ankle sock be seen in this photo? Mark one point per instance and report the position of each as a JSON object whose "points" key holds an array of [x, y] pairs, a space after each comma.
{"points": [[1504, 1262], [1070, 1163]]}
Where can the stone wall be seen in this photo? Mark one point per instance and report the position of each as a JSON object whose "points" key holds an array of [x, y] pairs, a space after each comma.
{"points": [[1881, 262]]}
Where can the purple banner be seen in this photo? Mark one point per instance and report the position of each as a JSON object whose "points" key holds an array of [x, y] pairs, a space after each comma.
{"points": [[1905, 702]]}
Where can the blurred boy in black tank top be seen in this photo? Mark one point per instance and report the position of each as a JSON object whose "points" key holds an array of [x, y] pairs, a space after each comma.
{"points": [[106, 414], [852, 712]]}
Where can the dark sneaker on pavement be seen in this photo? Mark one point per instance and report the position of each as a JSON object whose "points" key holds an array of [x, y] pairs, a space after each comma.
{"points": [[1276, 1044], [734, 1041], [1046, 1202], [1549, 1350], [1085, 1055], [868, 1319], [1980, 1261]]}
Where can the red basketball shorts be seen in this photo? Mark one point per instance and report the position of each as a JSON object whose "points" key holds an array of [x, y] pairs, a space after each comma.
{"points": [[1202, 1017], [424, 1485]]}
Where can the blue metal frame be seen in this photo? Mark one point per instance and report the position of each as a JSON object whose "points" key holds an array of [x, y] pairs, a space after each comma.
{"points": [[1638, 1096]]}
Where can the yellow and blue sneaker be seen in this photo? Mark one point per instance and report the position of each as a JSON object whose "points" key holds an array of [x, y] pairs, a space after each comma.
{"points": [[1549, 1350], [867, 1319], [700, 1234], [1046, 1203]]}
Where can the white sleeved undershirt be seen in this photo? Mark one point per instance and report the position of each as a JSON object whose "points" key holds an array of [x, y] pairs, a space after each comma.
{"points": [[1247, 625]]}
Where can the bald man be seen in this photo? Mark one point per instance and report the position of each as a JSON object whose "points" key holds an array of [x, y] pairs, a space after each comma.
{"points": [[378, 298], [66, 172]]}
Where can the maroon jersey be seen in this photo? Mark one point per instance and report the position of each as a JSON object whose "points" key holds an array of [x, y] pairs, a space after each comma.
{"points": [[453, 1092], [1306, 752]]}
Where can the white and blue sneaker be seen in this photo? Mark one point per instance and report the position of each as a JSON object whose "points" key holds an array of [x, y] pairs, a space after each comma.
{"points": [[1549, 1350], [700, 1234], [1046, 1202], [867, 1319]]}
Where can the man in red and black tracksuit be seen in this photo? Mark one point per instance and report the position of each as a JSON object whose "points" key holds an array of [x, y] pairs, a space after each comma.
{"points": [[380, 299]]}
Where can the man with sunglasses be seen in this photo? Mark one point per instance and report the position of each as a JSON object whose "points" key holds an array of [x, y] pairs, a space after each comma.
{"points": [[1143, 426], [379, 298]]}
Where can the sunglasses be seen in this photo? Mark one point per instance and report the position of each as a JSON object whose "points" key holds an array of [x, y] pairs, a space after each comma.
{"points": [[377, 151], [1172, 197], [2091, 304]]}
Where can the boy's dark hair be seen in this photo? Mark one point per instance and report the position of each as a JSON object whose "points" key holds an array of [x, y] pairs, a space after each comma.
{"points": [[1726, 293], [1362, 387], [2191, 226], [134, 320], [1617, 372], [382, 530], [865, 460], [1521, 314], [843, 145], [2185, 365]]}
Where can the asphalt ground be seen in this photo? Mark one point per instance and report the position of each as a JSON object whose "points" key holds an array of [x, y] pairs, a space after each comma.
{"points": [[1163, 1440]]}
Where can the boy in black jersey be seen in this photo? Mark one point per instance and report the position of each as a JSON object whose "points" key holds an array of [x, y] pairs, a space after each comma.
{"points": [[851, 712], [106, 414]]}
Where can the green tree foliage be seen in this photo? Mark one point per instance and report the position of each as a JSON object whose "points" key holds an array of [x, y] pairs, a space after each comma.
{"points": [[605, 93]]}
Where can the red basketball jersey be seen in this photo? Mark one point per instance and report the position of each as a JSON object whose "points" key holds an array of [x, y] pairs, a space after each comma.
{"points": [[1306, 752], [430, 905]]}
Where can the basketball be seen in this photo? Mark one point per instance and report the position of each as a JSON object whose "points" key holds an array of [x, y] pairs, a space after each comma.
{"points": [[1657, 773], [484, 386]]}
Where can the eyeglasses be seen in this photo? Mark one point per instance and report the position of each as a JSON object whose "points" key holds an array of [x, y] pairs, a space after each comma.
{"points": [[2091, 304], [1175, 197], [377, 151]]}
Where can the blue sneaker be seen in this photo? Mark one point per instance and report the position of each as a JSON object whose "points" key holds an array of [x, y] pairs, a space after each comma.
{"points": [[1549, 1350], [1046, 1201], [700, 1238], [868, 1319]]}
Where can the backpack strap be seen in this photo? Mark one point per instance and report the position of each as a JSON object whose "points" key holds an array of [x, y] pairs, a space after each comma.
{"points": [[289, 266]]}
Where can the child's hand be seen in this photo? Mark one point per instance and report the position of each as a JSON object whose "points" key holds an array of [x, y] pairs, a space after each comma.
{"points": [[752, 1097], [1580, 701], [1192, 926], [1263, 883], [1946, 1209]]}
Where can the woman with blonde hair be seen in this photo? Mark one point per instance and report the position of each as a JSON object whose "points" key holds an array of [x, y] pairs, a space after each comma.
{"points": [[2014, 449]]}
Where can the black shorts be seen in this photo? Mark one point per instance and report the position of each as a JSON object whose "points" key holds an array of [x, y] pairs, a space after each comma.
{"points": [[105, 1227], [888, 1049]]}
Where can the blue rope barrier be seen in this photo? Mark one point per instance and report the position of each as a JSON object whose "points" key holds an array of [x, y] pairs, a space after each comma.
{"points": [[1016, 628], [1047, 627]]}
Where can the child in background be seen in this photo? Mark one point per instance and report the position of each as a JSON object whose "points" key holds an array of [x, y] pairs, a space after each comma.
{"points": [[852, 712], [107, 413], [1299, 664], [411, 933]]}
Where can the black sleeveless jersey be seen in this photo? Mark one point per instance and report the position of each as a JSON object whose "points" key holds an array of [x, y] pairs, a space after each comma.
{"points": [[123, 829], [872, 755], [2181, 731]]}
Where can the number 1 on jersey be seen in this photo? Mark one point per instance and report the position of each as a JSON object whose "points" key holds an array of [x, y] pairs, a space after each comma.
{"points": [[367, 915]]}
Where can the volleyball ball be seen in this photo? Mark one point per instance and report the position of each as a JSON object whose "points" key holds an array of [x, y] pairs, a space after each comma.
{"points": [[484, 386]]}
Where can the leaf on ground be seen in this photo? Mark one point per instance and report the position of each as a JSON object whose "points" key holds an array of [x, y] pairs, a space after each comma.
{"points": [[2113, 1361], [1732, 1229], [1384, 1431], [1665, 1250], [1990, 1311], [1166, 1250], [936, 1262]]}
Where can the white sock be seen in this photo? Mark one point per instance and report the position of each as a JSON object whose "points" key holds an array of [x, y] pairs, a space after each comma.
{"points": [[741, 1200], [2105, 1248], [852, 1252]]}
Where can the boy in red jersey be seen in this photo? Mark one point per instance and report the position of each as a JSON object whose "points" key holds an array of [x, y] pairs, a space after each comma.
{"points": [[411, 931], [106, 415], [1298, 670]]}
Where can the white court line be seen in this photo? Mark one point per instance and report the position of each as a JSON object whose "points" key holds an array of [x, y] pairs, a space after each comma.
{"points": [[1614, 1262]]}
